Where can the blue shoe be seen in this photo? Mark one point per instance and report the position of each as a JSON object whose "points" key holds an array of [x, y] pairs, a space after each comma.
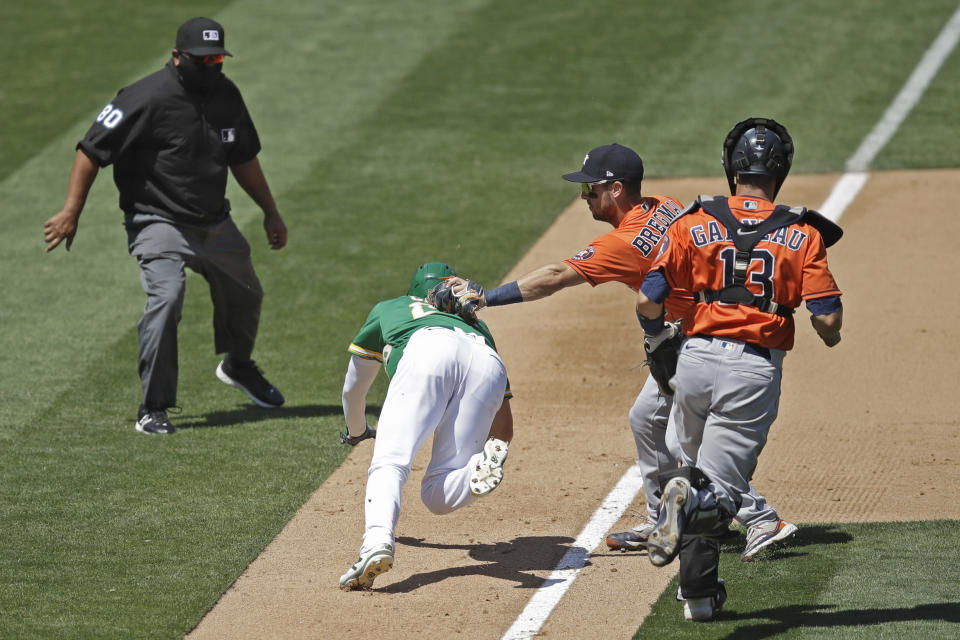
{"points": [[248, 378]]}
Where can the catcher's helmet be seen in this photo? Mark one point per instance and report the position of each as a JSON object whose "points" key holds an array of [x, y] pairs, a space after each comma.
{"points": [[758, 146], [427, 276]]}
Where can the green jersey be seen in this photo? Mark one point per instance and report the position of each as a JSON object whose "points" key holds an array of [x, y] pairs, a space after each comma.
{"points": [[391, 323]]}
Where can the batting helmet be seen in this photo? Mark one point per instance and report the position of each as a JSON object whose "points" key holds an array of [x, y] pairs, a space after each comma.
{"points": [[427, 276], [758, 146]]}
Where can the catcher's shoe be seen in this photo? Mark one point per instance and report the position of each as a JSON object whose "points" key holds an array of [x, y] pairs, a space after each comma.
{"points": [[703, 609], [663, 545], [247, 377], [487, 467], [632, 540], [367, 567], [764, 534]]}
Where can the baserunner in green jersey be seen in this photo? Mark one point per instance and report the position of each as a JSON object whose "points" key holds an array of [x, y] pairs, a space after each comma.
{"points": [[446, 379]]}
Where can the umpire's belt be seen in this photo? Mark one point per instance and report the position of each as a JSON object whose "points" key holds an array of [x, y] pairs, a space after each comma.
{"points": [[749, 347]]}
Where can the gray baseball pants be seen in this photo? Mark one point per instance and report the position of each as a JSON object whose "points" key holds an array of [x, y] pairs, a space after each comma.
{"points": [[221, 255], [658, 453], [726, 398]]}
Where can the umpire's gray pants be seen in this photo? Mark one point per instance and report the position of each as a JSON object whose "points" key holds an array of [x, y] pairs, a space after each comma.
{"points": [[221, 255], [725, 400]]}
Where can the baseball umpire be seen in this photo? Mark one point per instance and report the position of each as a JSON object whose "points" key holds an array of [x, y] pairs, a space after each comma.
{"points": [[749, 265], [611, 180], [171, 138], [447, 380]]}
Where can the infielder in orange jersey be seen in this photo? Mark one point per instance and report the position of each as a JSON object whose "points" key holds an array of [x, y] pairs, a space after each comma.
{"points": [[610, 181], [749, 265]]}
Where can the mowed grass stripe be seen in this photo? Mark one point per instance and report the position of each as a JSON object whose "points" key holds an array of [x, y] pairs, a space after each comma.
{"points": [[851, 581], [453, 149], [63, 59], [152, 524], [64, 303]]}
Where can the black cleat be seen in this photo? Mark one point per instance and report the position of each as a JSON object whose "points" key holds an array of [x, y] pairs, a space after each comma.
{"points": [[248, 378], [633, 540], [153, 421]]}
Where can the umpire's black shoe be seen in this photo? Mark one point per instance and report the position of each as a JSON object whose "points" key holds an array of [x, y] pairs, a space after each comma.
{"points": [[153, 421], [248, 378]]}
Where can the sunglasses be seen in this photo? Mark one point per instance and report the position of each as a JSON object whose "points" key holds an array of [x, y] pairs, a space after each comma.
{"points": [[214, 59], [587, 188]]}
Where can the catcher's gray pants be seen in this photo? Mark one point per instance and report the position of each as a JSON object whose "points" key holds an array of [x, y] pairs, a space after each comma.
{"points": [[221, 255], [658, 453], [726, 398]]}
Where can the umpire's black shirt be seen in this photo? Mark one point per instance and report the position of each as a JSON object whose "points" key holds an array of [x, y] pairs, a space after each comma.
{"points": [[171, 148]]}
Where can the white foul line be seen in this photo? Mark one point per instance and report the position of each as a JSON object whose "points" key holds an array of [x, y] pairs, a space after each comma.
{"points": [[847, 188], [546, 598], [844, 192]]}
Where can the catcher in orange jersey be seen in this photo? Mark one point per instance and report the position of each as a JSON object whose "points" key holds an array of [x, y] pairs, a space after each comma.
{"points": [[610, 180], [749, 265]]}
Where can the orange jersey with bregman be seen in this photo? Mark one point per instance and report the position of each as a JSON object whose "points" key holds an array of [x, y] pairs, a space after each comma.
{"points": [[627, 253], [789, 265]]}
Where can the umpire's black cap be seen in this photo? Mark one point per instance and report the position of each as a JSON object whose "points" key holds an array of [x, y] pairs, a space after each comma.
{"points": [[608, 163], [201, 37]]}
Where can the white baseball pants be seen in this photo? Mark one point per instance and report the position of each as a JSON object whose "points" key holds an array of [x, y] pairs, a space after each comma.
{"points": [[449, 383]]}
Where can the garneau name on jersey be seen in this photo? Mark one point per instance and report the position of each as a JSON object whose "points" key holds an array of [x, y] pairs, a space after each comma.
{"points": [[656, 225], [714, 232]]}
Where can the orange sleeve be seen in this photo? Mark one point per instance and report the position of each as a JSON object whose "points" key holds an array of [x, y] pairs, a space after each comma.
{"points": [[609, 258], [818, 282]]}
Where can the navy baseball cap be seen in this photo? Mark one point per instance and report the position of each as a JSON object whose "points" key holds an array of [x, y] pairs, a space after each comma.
{"points": [[201, 37], [607, 163]]}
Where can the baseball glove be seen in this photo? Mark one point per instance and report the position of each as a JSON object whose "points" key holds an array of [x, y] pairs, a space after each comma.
{"points": [[346, 438], [663, 350], [464, 304]]}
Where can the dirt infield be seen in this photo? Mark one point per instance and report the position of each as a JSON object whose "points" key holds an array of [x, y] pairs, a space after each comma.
{"points": [[868, 431]]}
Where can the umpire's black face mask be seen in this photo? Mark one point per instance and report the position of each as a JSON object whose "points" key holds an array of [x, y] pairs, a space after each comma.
{"points": [[197, 76]]}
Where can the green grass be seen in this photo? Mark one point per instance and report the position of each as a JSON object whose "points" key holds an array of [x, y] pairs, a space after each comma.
{"points": [[850, 581], [441, 133]]}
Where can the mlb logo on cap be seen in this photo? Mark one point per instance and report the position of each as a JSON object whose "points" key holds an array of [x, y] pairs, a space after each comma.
{"points": [[201, 37], [608, 163]]}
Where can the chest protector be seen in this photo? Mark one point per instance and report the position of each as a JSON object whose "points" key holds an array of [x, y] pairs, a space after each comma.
{"points": [[745, 237]]}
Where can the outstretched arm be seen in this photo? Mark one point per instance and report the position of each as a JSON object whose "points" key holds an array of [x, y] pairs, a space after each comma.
{"points": [[63, 225], [547, 280], [537, 284], [250, 176]]}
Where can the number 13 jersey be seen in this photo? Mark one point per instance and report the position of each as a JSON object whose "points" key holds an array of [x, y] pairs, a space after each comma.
{"points": [[789, 265]]}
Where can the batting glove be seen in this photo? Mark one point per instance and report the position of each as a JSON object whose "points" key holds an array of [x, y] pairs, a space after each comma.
{"points": [[346, 438]]}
